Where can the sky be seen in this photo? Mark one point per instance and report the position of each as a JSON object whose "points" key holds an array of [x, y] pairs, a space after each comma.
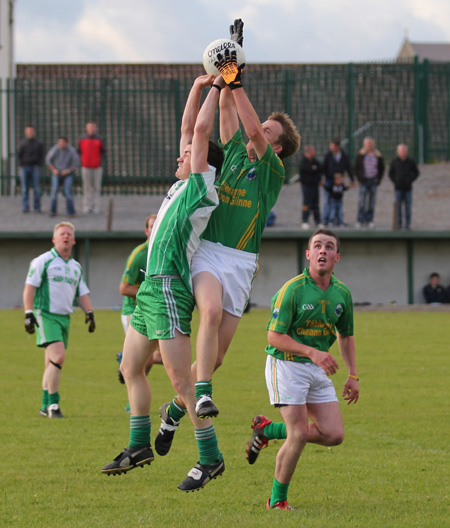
{"points": [[177, 31]]}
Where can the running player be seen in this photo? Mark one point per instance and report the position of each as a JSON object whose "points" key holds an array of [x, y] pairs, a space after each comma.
{"points": [[309, 313], [165, 300], [54, 281]]}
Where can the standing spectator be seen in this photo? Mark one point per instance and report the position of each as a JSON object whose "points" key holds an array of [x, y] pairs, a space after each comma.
{"points": [[335, 160], [336, 192], [30, 156], [62, 159], [433, 292], [369, 169], [92, 150], [403, 171], [309, 313], [310, 173], [54, 281]]}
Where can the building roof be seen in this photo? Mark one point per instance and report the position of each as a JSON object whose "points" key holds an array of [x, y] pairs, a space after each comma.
{"points": [[423, 50]]}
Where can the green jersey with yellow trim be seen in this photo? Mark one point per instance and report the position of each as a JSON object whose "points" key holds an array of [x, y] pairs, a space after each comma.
{"points": [[247, 193], [134, 274], [310, 315]]}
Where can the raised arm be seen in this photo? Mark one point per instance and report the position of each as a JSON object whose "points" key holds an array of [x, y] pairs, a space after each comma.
{"points": [[191, 110], [203, 129]]}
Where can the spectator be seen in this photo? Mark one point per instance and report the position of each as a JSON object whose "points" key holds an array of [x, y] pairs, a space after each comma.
{"points": [[310, 173], [91, 148], [335, 160], [369, 169], [336, 193], [433, 292], [30, 156], [62, 159], [403, 171]]}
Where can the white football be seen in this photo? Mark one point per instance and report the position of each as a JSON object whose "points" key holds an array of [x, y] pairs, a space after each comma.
{"points": [[219, 46]]}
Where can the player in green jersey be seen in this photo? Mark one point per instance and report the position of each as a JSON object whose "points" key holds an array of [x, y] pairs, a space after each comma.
{"points": [[165, 300], [53, 283], [226, 262], [309, 313]]}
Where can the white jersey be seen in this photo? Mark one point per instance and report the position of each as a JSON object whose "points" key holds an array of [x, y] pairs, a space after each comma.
{"points": [[58, 282], [181, 220]]}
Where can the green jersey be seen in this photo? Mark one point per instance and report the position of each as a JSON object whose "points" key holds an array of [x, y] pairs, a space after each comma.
{"points": [[134, 274], [247, 193], [181, 220], [310, 315], [58, 282]]}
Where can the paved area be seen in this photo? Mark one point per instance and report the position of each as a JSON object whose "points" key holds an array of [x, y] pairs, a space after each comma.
{"points": [[431, 208]]}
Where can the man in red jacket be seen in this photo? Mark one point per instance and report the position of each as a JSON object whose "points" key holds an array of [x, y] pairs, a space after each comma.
{"points": [[92, 150]]}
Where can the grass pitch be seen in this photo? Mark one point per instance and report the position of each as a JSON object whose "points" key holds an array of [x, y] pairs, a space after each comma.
{"points": [[392, 469]]}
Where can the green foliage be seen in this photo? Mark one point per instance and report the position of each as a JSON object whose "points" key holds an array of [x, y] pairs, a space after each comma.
{"points": [[392, 469]]}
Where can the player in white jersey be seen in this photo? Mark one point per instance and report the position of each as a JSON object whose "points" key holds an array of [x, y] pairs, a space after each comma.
{"points": [[54, 281], [165, 299]]}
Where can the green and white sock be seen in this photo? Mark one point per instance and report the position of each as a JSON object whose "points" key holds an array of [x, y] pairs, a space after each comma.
{"points": [[176, 411], [208, 446], [140, 427], [203, 388], [53, 398], [44, 399], [279, 492]]}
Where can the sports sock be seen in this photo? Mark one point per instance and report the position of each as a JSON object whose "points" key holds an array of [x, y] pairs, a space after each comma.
{"points": [[44, 399], [208, 446], [203, 388], [53, 398], [279, 492], [140, 427], [176, 411], [275, 431]]}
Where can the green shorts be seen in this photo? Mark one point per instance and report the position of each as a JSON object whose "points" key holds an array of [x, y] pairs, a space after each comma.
{"points": [[52, 328], [163, 305]]}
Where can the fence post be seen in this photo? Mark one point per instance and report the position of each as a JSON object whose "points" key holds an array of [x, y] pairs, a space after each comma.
{"points": [[421, 136], [351, 109], [288, 110]]}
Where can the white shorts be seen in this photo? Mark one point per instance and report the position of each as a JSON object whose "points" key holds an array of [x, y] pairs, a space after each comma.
{"points": [[233, 268], [291, 383]]}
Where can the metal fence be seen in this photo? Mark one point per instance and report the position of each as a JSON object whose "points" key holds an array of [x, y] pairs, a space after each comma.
{"points": [[139, 116]]}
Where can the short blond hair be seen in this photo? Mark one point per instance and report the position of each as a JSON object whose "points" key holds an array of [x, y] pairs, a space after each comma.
{"points": [[63, 224], [289, 139]]}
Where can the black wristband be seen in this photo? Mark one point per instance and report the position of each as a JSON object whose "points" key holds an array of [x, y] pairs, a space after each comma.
{"points": [[216, 86]]}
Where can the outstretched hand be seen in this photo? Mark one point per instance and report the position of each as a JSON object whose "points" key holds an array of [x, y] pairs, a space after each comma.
{"points": [[204, 80], [229, 69], [237, 31]]}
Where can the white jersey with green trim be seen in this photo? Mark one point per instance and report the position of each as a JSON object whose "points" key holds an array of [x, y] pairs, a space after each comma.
{"points": [[58, 282], [181, 220]]}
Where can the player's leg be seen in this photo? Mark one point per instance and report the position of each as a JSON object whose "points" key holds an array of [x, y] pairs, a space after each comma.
{"points": [[136, 352], [55, 354], [86, 190], [327, 427], [296, 419], [208, 297], [176, 355]]}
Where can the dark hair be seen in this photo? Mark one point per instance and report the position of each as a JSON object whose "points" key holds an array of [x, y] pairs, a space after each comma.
{"points": [[336, 141], [329, 233], [434, 274], [65, 138], [215, 156]]}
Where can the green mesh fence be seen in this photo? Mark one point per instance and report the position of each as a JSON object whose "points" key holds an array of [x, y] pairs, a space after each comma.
{"points": [[139, 115]]}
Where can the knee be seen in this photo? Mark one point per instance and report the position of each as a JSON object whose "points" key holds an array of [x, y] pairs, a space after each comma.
{"points": [[211, 315], [298, 437], [335, 438]]}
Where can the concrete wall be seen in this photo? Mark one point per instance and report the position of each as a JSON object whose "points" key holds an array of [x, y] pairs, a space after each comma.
{"points": [[379, 268]]}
